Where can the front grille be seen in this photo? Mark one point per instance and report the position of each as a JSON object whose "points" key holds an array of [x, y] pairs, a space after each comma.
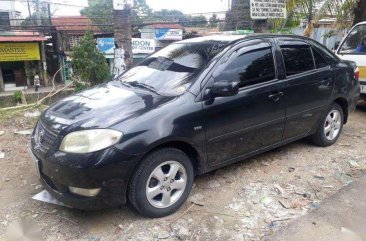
{"points": [[44, 138]]}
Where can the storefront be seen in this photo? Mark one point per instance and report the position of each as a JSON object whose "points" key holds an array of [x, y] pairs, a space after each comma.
{"points": [[19, 61]]}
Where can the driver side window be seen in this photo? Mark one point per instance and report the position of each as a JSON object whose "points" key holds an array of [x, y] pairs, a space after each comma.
{"points": [[250, 68]]}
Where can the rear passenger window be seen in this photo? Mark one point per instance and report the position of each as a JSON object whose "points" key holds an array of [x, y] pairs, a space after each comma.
{"points": [[319, 60], [250, 68], [298, 59]]}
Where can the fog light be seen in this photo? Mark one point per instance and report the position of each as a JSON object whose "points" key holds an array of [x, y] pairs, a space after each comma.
{"points": [[85, 192]]}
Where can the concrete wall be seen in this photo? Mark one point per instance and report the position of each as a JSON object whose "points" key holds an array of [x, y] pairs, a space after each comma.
{"points": [[318, 35]]}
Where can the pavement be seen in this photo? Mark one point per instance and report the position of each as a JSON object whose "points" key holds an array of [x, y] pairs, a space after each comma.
{"points": [[341, 217]]}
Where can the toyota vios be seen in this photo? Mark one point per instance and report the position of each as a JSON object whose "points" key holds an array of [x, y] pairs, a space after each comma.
{"points": [[188, 109]]}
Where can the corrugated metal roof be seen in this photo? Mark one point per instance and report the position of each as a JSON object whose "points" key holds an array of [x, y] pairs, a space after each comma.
{"points": [[74, 23]]}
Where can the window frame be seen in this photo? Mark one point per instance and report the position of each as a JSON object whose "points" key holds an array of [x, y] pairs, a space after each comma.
{"points": [[313, 49], [243, 49], [296, 42]]}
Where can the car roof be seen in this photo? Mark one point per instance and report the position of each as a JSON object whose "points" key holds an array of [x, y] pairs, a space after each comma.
{"points": [[361, 23], [229, 39]]}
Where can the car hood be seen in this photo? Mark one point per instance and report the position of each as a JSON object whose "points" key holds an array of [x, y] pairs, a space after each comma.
{"points": [[101, 107]]}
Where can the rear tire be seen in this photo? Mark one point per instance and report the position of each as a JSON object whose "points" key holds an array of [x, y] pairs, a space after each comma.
{"points": [[161, 183], [330, 126]]}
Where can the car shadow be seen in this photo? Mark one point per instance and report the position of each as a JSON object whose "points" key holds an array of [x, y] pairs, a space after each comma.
{"points": [[361, 106]]}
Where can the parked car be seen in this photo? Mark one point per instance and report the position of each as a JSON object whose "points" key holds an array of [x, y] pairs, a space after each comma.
{"points": [[353, 48], [188, 109]]}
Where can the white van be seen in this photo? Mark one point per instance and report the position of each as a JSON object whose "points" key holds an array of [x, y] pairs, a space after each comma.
{"points": [[353, 47]]}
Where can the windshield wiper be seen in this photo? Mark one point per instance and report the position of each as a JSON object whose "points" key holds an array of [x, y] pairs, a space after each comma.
{"points": [[144, 86]]}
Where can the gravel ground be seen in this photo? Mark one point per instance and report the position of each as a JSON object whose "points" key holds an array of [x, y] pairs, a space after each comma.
{"points": [[245, 201]]}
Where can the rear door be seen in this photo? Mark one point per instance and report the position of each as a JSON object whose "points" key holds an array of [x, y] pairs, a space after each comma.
{"points": [[254, 118], [309, 85]]}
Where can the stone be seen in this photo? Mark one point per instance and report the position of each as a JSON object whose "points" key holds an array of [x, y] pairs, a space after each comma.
{"points": [[23, 132], [163, 235], [214, 184], [183, 233]]}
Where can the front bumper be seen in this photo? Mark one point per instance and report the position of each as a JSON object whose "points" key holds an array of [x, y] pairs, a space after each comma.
{"points": [[112, 178]]}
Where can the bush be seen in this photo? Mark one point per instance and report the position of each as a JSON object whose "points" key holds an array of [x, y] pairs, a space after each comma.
{"points": [[79, 86], [17, 96], [88, 63]]}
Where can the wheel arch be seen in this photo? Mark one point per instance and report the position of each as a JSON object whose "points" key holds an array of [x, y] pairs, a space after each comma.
{"points": [[196, 157], [343, 102]]}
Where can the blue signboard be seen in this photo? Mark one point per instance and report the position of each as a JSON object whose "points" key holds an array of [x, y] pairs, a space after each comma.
{"points": [[168, 34], [106, 45], [139, 46]]}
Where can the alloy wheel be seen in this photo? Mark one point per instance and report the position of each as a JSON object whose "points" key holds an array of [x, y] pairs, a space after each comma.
{"points": [[332, 125], [166, 184]]}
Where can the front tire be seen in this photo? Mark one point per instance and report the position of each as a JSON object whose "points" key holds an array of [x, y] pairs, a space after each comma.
{"points": [[161, 183], [330, 126]]}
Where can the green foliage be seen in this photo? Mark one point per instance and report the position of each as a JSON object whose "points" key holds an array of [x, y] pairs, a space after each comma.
{"points": [[213, 22], [330, 34], [17, 96], [43, 15], [166, 15], [79, 86], [88, 63], [101, 12]]}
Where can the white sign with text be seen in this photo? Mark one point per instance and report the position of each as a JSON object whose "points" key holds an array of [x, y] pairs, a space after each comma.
{"points": [[264, 9]]}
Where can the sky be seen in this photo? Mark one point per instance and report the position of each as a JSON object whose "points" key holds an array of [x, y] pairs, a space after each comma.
{"points": [[186, 6]]}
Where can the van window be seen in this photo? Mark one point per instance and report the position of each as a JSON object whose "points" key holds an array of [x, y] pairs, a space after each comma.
{"points": [[298, 59], [355, 43], [250, 68]]}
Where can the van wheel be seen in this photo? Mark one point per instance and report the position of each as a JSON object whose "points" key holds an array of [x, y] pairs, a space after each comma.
{"points": [[330, 126], [161, 183]]}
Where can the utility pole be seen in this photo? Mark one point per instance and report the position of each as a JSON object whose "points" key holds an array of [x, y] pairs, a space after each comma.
{"points": [[123, 57], [38, 15], [42, 63]]}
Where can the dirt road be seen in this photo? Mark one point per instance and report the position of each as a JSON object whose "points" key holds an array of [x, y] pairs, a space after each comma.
{"points": [[245, 201]]}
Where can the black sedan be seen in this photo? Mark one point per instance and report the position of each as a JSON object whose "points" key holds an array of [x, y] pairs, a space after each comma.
{"points": [[188, 109]]}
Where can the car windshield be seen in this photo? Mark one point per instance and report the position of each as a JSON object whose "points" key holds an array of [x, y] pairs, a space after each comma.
{"points": [[173, 69], [355, 43]]}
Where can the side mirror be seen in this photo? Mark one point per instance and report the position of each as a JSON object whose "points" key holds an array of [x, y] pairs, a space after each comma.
{"points": [[223, 88]]}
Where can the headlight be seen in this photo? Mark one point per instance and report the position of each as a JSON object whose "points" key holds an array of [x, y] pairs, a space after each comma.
{"points": [[90, 140]]}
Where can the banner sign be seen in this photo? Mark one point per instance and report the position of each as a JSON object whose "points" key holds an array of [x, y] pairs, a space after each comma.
{"points": [[139, 46], [168, 34], [19, 52], [264, 9], [143, 46]]}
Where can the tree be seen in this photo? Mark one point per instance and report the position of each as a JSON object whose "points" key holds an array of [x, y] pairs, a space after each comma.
{"points": [[166, 15], [213, 22], [88, 63], [359, 11], [101, 12], [196, 21], [32, 20]]}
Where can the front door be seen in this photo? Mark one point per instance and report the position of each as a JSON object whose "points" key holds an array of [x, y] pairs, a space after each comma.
{"points": [[254, 118]]}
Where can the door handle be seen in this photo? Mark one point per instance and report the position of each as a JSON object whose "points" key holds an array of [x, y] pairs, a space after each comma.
{"points": [[276, 96]]}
